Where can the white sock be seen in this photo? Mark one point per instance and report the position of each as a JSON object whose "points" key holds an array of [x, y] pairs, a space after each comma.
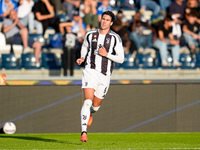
{"points": [[85, 114], [94, 109]]}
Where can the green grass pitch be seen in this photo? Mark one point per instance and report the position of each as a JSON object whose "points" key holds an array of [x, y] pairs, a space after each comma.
{"points": [[107, 141]]}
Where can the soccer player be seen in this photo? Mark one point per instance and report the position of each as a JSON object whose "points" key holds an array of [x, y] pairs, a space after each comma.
{"points": [[101, 48]]}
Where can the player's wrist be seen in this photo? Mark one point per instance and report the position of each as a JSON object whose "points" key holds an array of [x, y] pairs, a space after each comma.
{"points": [[108, 55]]}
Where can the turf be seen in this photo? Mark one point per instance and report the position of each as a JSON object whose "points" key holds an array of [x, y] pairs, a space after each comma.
{"points": [[140, 141]]}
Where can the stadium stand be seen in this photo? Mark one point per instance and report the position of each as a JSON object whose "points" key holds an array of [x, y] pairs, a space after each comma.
{"points": [[197, 60], [29, 61], [9, 61], [146, 61], [187, 61], [0, 63], [51, 55], [38, 37], [130, 62], [4, 48], [169, 61], [50, 61]]}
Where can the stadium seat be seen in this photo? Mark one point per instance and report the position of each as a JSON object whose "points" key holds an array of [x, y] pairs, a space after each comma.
{"points": [[4, 48], [9, 61], [156, 18], [63, 18], [130, 62], [50, 61], [29, 61], [55, 41], [38, 37], [0, 63], [169, 61], [117, 65], [187, 62], [198, 60], [147, 62]]}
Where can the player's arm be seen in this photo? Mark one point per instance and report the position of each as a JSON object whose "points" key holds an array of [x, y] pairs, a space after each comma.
{"points": [[84, 50], [119, 56]]}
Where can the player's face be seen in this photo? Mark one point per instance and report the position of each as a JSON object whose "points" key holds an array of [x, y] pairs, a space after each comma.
{"points": [[106, 22]]}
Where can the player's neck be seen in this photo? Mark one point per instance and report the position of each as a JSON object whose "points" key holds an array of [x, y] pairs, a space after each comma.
{"points": [[104, 31]]}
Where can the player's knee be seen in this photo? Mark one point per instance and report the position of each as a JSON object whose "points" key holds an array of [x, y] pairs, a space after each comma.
{"points": [[87, 103]]}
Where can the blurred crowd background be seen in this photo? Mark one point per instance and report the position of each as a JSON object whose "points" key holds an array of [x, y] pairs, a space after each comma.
{"points": [[49, 33]]}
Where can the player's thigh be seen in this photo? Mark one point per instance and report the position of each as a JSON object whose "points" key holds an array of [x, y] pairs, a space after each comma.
{"points": [[89, 83], [102, 90], [89, 79]]}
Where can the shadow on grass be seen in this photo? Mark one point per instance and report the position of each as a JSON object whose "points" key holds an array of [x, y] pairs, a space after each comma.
{"points": [[38, 139]]}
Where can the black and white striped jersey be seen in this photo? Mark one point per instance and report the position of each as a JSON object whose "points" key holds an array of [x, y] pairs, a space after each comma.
{"points": [[112, 43]]}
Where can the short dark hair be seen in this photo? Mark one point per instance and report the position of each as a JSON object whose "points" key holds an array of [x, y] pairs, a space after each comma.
{"points": [[110, 13], [168, 18], [193, 13]]}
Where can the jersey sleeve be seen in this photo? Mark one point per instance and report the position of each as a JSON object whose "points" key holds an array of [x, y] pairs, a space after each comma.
{"points": [[84, 48], [119, 52]]}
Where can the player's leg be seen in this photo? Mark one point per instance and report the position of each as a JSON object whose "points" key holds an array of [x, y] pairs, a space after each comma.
{"points": [[94, 108], [96, 104], [99, 95], [85, 112]]}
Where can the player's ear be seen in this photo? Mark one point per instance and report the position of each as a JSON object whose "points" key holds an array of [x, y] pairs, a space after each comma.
{"points": [[111, 23]]}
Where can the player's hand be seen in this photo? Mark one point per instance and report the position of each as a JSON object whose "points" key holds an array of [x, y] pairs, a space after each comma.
{"points": [[103, 52], [80, 60]]}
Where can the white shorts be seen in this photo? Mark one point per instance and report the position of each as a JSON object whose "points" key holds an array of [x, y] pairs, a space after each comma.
{"points": [[97, 81]]}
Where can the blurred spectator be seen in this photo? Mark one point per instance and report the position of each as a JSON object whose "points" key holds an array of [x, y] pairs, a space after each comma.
{"points": [[177, 33], [149, 5], [70, 6], [103, 7], [72, 46], [143, 41], [16, 33], [127, 4], [166, 40], [193, 6], [178, 8], [88, 11], [164, 5], [78, 27], [120, 26], [69, 51], [191, 29], [44, 12], [74, 33], [6, 6], [59, 8], [26, 15]]}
